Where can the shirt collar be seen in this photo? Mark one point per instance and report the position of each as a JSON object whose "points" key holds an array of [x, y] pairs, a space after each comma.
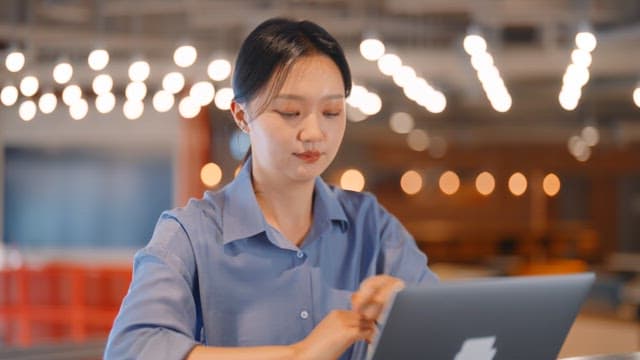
{"points": [[241, 215], [243, 218]]}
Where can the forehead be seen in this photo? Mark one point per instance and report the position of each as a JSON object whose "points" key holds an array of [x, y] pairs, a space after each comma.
{"points": [[313, 75]]}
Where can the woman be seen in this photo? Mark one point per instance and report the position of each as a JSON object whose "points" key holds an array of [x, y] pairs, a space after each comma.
{"points": [[278, 264]]}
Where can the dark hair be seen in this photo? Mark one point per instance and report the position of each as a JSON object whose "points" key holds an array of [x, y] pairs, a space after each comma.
{"points": [[270, 50]]}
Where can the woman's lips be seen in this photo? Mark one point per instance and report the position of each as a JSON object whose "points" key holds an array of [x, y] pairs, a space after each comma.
{"points": [[308, 156]]}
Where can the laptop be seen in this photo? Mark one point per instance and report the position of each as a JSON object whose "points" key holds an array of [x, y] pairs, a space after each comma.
{"points": [[524, 318]]}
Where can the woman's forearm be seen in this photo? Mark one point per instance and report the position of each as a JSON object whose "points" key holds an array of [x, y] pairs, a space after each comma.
{"points": [[201, 352]]}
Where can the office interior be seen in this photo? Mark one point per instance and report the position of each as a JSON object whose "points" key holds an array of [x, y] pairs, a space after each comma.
{"points": [[505, 136]]}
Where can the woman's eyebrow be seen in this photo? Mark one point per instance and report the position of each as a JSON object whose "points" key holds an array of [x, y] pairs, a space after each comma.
{"points": [[302, 98]]}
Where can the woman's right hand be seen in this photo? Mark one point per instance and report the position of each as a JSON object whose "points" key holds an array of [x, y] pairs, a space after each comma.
{"points": [[333, 336]]}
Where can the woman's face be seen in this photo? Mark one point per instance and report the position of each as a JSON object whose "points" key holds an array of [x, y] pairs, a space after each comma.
{"points": [[299, 132]]}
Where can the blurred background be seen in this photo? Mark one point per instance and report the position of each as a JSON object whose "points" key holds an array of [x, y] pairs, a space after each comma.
{"points": [[505, 135]]}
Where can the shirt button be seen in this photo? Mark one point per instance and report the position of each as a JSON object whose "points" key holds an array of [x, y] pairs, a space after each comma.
{"points": [[300, 254], [304, 314]]}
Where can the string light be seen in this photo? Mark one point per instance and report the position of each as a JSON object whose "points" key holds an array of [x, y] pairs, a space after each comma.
{"points": [[551, 184], [136, 91], [211, 174], [576, 76], [98, 59], [411, 182], [185, 55], [71, 93], [14, 61], [102, 84], [9, 95], [163, 101], [219, 69], [62, 73], [449, 182], [173, 82], [485, 183], [79, 109], [188, 107], [486, 71], [29, 85], [401, 122], [418, 140], [139, 70], [369, 103], [517, 184], [388, 64], [27, 110], [223, 98], [636, 95], [352, 180], [132, 109], [105, 103], [203, 92], [372, 49], [47, 103]]}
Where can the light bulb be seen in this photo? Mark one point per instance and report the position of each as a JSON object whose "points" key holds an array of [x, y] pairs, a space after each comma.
{"points": [[133, 109], [185, 55], [219, 69], [27, 110], [371, 49], [163, 101], [636, 96], [372, 104], [401, 123], [139, 70], [70, 94], [474, 44], [223, 98], [9, 95], [98, 59], [47, 103], [173, 82], [586, 40], [14, 61], [79, 109], [388, 64], [188, 107], [62, 73], [29, 85], [136, 91], [102, 84], [105, 103], [203, 92]]}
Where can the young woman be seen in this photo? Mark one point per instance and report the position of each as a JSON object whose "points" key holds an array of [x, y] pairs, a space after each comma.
{"points": [[277, 264]]}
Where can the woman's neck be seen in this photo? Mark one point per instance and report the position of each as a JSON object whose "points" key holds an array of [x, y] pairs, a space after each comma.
{"points": [[287, 206]]}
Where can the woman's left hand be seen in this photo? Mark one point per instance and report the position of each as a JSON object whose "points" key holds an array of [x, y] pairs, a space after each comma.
{"points": [[374, 294]]}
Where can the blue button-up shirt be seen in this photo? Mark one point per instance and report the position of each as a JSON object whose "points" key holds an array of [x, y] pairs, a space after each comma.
{"points": [[216, 273]]}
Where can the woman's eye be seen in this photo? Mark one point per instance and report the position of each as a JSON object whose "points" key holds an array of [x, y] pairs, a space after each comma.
{"points": [[332, 113], [288, 114]]}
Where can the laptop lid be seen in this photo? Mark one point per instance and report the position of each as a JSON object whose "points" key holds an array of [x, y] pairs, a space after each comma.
{"points": [[496, 318]]}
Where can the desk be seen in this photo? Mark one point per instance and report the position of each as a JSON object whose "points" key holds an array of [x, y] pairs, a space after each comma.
{"points": [[628, 356]]}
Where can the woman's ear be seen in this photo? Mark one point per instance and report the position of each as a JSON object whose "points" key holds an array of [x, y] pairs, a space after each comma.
{"points": [[239, 116]]}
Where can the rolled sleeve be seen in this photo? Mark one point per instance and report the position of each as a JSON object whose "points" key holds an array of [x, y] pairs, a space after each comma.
{"points": [[400, 254], [158, 316]]}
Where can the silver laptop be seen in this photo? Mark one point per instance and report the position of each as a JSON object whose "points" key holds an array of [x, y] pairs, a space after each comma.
{"points": [[490, 319]]}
